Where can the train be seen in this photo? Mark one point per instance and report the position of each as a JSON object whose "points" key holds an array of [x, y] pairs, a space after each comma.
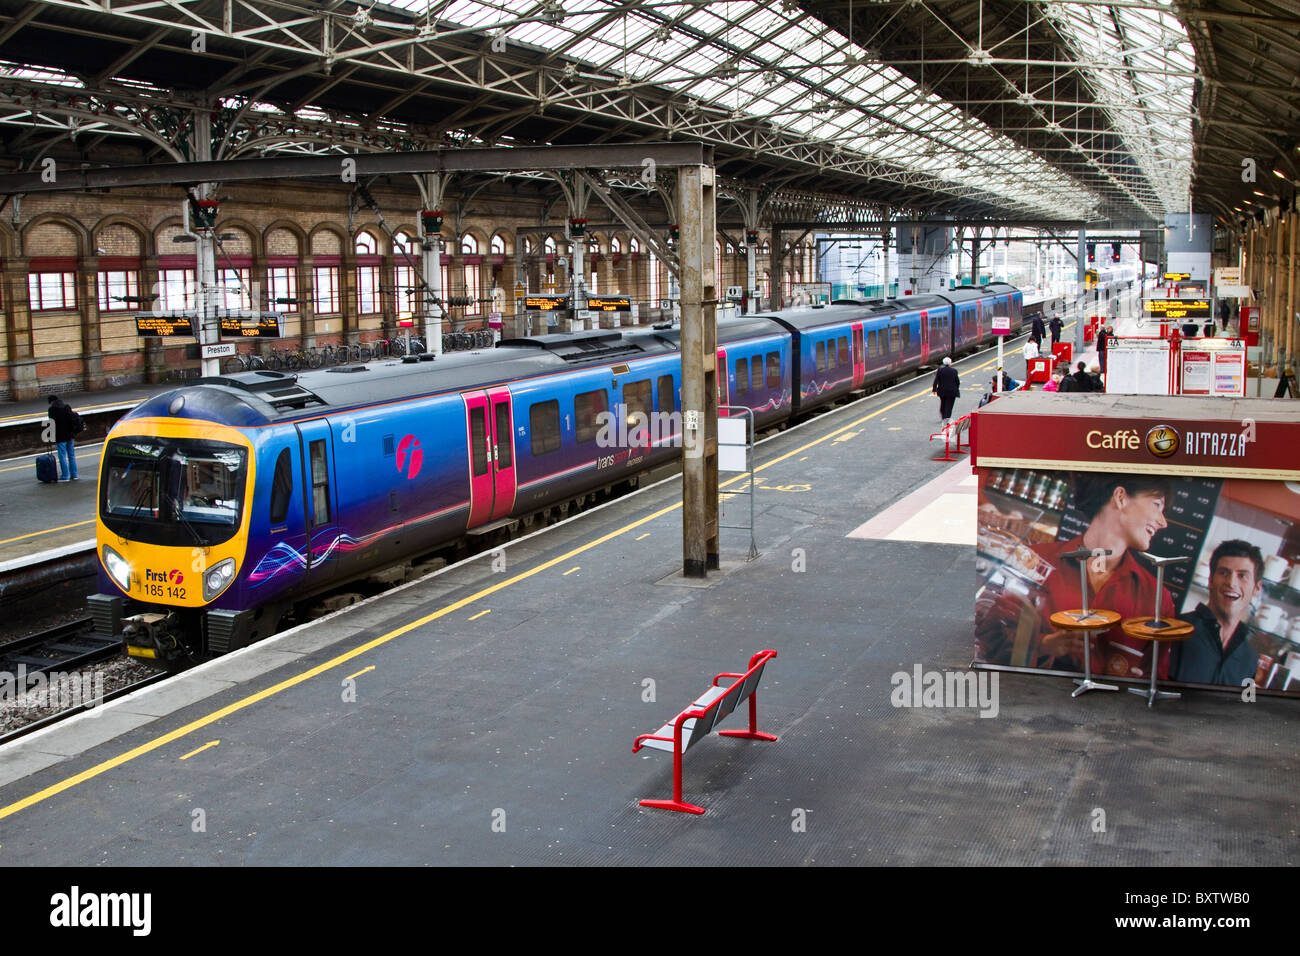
{"points": [[225, 504]]}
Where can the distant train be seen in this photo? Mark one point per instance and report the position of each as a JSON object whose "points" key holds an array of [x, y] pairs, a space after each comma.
{"points": [[225, 503]]}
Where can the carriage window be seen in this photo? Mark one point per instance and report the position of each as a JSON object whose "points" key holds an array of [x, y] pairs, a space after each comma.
{"points": [[637, 397], [587, 409], [907, 337], [821, 356], [756, 372], [281, 488], [478, 441], [505, 441], [844, 349], [873, 344], [895, 340], [667, 394], [742, 376], [320, 485], [773, 369], [544, 425]]}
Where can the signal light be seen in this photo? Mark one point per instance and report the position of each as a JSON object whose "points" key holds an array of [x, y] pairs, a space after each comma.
{"points": [[1092, 252], [1115, 248]]}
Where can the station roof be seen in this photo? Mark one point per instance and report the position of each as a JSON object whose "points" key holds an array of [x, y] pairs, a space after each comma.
{"points": [[1083, 110]]}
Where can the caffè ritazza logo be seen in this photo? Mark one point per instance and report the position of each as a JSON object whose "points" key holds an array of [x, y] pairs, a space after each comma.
{"points": [[1162, 441]]}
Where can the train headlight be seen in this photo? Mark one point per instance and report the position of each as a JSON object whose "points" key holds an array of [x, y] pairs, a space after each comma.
{"points": [[217, 577], [118, 568]]}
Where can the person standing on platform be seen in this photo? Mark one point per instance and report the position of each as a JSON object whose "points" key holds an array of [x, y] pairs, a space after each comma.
{"points": [[1102, 338], [947, 385], [1037, 331], [66, 423], [1056, 325], [1218, 651]]}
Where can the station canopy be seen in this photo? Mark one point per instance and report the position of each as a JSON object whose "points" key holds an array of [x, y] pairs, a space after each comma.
{"points": [[1079, 110]]}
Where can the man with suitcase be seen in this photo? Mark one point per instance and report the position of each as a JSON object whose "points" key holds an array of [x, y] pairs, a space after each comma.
{"points": [[66, 425]]}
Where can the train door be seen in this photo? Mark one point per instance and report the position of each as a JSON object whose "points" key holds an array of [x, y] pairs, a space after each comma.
{"points": [[320, 500], [925, 337], [723, 375], [503, 452], [491, 454], [859, 356]]}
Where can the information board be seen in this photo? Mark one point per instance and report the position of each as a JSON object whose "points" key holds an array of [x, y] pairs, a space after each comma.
{"points": [[1137, 367], [546, 303], [1229, 372], [1170, 309], [251, 325], [1196, 372], [163, 325], [610, 304]]}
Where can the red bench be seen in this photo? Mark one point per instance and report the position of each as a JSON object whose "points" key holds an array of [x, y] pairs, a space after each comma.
{"points": [[694, 723], [952, 430]]}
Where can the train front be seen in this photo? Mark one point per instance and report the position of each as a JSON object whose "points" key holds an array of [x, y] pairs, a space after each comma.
{"points": [[171, 528]]}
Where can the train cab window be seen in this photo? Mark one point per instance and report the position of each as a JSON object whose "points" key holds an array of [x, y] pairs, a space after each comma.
{"points": [[478, 442], [773, 369], [821, 356], [667, 394], [320, 485], [587, 409], [742, 376], [504, 440], [281, 487], [756, 372], [544, 426], [638, 398], [844, 349]]}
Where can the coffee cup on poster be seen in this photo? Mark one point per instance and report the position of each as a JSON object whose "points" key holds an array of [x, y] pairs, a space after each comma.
{"points": [[1271, 618], [1275, 569]]}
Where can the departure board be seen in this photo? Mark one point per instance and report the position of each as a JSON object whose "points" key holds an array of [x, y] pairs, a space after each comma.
{"points": [[163, 325], [610, 304], [1177, 308], [546, 303], [266, 326]]}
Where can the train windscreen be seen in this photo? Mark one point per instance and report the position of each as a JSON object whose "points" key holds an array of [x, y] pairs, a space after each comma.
{"points": [[173, 491]]}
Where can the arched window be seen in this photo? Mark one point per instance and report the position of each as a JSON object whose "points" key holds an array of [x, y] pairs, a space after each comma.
{"points": [[633, 245], [593, 245], [549, 246], [615, 245], [528, 246], [767, 249], [468, 245], [366, 244], [498, 245], [767, 285], [404, 242]]}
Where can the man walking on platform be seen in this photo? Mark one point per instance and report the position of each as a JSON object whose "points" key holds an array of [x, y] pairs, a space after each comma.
{"points": [[947, 385], [66, 423], [1056, 325]]}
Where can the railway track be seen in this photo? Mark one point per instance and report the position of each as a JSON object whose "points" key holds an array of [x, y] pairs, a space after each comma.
{"points": [[64, 647]]}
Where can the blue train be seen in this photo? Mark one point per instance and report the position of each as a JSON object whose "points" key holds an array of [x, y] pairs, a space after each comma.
{"points": [[224, 504]]}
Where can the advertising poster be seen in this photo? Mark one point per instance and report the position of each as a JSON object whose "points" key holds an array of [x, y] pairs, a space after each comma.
{"points": [[1238, 585], [1196, 372], [1230, 372]]}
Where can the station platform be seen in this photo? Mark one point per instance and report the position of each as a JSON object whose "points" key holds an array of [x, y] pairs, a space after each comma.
{"points": [[486, 714]]}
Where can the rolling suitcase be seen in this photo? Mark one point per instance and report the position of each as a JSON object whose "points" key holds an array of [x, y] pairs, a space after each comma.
{"points": [[47, 469]]}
